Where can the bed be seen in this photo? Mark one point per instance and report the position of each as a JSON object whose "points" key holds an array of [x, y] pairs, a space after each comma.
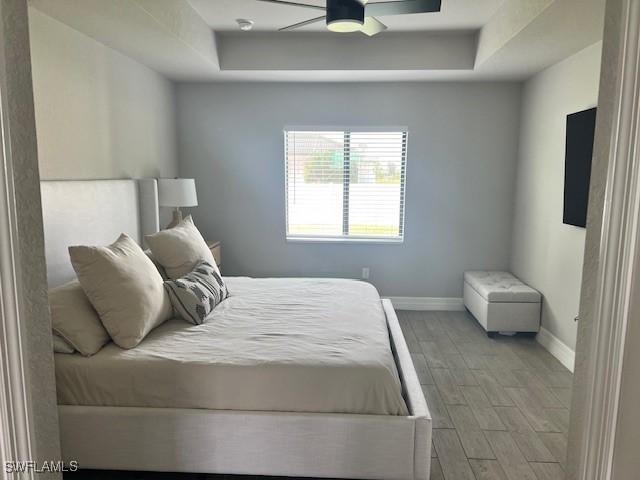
{"points": [[291, 377]]}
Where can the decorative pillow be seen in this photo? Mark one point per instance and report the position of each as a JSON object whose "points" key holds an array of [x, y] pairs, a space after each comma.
{"points": [[124, 287], [179, 249], [160, 268], [75, 320], [60, 345], [195, 295]]}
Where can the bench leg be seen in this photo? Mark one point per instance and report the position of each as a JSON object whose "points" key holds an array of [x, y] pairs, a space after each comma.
{"points": [[528, 334]]}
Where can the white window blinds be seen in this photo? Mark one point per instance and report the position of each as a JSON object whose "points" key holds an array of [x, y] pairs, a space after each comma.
{"points": [[344, 184]]}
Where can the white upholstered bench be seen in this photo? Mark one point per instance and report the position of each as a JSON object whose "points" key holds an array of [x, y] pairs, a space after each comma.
{"points": [[502, 303]]}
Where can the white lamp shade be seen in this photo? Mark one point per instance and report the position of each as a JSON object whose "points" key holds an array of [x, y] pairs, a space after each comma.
{"points": [[177, 192]]}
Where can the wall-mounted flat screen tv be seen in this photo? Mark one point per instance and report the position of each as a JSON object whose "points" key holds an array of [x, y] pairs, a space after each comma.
{"points": [[581, 128]]}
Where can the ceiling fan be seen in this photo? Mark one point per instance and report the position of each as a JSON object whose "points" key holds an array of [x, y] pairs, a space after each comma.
{"points": [[358, 15]]}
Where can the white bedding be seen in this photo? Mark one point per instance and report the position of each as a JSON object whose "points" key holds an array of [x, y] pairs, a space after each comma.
{"points": [[292, 345]]}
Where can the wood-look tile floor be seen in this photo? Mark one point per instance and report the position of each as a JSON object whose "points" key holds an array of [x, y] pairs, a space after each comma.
{"points": [[500, 406]]}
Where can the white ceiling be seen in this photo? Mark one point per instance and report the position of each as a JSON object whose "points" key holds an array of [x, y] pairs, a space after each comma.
{"points": [[474, 40], [221, 15]]}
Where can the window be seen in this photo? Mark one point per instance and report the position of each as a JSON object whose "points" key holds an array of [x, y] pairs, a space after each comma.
{"points": [[345, 184]]}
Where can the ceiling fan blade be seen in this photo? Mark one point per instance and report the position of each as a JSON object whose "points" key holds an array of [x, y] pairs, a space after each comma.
{"points": [[294, 4], [381, 9], [372, 26], [302, 24]]}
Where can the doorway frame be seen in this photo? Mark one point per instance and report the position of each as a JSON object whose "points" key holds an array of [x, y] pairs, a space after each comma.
{"points": [[15, 421], [28, 411], [612, 250]]}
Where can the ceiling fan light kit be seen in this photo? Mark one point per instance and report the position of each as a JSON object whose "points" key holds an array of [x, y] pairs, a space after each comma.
{"points": [[345, 15]]}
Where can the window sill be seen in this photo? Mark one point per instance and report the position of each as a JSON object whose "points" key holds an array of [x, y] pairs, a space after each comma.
{"points": [[346, 240]]}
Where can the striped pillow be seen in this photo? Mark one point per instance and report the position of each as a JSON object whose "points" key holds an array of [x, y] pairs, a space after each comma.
{"points": [[196, 294]]}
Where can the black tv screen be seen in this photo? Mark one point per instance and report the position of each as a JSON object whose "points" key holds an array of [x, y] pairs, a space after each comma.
{"points": [[581, 128]]}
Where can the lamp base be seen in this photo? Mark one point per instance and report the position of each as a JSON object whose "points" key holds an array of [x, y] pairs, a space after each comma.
{"points": [[177, 218]]}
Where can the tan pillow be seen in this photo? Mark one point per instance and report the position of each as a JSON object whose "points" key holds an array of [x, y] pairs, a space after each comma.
{"points": [[124, 287], [180, 249], [75, 320], [60, 345], [160, 268]]}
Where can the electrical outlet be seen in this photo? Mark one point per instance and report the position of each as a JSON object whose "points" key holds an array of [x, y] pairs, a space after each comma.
{"points": [[365, 273]]}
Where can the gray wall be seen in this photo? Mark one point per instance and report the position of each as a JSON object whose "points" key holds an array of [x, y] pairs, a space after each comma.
{"points": [[99, 114], [547, 254], [460, 177]]}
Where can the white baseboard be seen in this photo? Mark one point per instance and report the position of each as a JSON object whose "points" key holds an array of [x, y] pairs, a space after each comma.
{"points": [[556, 347], [426, 303]]}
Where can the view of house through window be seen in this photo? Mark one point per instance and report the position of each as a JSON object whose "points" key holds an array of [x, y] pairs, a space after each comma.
{"points": [[345, 184]]}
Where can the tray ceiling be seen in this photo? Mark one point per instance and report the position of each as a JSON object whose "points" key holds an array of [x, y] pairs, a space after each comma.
{"points": [[474, 40]]}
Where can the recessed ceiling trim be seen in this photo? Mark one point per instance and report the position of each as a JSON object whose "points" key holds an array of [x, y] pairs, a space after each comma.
{"points": [[168, 37], [317, 51], [510, 20]]}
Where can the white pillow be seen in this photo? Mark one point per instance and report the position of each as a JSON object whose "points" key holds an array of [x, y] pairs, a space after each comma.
{"points": [[124, 287], [160, 268], [75, 320], [180, 249], [60, 345]]}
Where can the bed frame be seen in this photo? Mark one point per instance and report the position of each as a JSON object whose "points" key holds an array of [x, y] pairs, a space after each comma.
{"points": [[220, 441]]}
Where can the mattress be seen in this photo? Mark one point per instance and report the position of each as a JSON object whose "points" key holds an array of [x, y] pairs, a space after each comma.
{"points": [[289, 345]]}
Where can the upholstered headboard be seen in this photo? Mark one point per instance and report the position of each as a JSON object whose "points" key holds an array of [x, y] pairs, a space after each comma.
{"points": [[93, 212]]}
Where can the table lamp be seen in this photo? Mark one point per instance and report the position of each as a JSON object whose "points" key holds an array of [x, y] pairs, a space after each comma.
{"points": [[176, 193]]}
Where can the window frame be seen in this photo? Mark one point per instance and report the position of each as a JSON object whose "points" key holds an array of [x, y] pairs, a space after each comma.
{"points": [[346, 238]]}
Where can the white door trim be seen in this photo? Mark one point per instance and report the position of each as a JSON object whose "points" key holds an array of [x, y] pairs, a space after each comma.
{"points": [[15, 425], [619, 255], [15, 421]]}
